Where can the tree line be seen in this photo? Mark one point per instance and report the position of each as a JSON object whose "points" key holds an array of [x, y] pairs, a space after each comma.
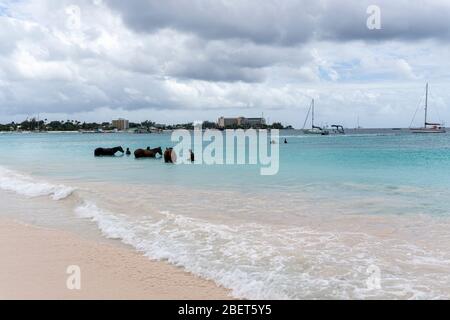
{"points": [[75, 125]]}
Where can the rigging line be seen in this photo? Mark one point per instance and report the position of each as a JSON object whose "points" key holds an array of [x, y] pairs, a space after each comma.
{"points": [[415, 114], [307, 116], [436, 108]]}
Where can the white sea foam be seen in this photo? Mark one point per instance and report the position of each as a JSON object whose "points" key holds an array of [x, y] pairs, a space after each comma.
{"points": [[264, 262], [190, 244], [30, 187]]}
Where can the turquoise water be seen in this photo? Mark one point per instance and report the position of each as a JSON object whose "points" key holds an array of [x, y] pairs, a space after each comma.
{"points": [[335, 166], [380, 159], [338, 205]]}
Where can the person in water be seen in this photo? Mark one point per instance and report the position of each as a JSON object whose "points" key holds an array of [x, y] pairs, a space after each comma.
{"points": [[285, 141], [128, 152], [192, 155]]}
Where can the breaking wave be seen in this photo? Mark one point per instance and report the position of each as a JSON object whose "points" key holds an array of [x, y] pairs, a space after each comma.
{"points": [[30, 187], [260, 261]]}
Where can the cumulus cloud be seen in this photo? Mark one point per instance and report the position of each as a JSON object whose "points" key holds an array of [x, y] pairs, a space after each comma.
{"points": [[288, 22], [270, 21], [202, 58]]}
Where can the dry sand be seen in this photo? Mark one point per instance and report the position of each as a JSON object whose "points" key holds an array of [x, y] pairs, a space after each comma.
{"points": [[34, 263]]}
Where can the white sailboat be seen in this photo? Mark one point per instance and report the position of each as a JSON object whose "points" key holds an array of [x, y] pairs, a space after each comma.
{"points": [[428, 126], [314, 129]]}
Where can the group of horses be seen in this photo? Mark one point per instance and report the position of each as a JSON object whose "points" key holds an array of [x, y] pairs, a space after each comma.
{"points": [[169, 154]]}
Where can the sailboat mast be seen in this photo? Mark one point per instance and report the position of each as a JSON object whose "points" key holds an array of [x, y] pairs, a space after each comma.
{"points": [[312, 121], [426, 107]]}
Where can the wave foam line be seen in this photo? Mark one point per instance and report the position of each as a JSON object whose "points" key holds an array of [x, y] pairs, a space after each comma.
{"points": [[258, 262], [197, 246], [30, 187]]}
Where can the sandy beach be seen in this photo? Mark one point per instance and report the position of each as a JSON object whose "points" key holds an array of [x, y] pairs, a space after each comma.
{"points": [[34, 264]]}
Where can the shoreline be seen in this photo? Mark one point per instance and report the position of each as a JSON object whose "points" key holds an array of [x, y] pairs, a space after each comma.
{"points": [[35, 262]]}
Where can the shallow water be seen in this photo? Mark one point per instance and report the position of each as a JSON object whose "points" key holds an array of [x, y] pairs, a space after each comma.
{"points": [[339, 205]]}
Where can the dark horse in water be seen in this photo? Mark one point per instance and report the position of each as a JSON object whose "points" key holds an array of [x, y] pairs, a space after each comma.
{"points": [[170, 156], [149, 153], [107, 152]]}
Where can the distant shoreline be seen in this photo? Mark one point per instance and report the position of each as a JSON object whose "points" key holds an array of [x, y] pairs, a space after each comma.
{"points": [[348, 130]]}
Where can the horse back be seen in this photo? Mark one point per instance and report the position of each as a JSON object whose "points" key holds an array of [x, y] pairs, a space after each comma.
{"points": [[139, 153]]}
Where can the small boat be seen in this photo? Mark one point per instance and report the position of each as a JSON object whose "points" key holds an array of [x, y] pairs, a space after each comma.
{"points": [[338, 129], [429, 127], [314, 129]]}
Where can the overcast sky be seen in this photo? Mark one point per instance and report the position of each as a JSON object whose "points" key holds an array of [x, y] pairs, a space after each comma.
{"points": [[184, 60]]}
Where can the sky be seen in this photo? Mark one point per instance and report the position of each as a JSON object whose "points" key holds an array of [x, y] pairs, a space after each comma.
{"points": [[178, 61]]}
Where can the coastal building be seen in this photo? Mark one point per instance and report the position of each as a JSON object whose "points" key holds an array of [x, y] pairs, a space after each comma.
{"points": [[121, 124], [227, 122], [240, 121], [254, 122]]}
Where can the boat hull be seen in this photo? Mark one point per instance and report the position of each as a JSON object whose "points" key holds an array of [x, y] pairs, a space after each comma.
{"points": [[316, 132], [428, 131]]}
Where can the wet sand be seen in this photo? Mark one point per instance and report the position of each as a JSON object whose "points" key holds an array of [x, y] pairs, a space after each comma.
{"points": [[35, 261]]}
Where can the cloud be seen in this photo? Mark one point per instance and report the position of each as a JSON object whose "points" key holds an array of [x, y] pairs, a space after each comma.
{"points": [[195, 58], [284, 22], [288, 22], [400, 20], [405, 69]]}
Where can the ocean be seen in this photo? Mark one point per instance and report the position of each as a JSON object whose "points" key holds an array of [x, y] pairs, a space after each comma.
{"points": [[343, 213]]}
